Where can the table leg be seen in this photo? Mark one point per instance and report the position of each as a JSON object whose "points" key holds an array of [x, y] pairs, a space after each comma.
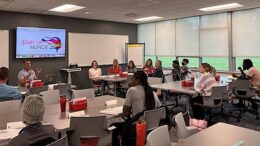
{"points": [[69, 77], [164, 97], [115, 83], [102, 87]]}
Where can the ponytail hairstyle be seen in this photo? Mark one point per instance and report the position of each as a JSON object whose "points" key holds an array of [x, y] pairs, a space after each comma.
{"points": [[149, 96]]}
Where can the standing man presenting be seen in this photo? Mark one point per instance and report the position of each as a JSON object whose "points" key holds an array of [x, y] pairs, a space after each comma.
{"points": [[27, 73]]}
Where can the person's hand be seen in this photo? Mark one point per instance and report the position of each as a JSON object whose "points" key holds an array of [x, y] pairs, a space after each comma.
{"points": [[38, 70], [234, 75]]}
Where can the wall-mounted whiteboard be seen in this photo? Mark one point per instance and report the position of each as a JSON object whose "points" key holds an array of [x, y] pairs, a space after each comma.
{"points": [[4, 48], [135, 52], [84, 48]]}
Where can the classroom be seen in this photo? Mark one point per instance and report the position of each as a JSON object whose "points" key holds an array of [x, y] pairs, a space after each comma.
{"points": [[129, 73]]}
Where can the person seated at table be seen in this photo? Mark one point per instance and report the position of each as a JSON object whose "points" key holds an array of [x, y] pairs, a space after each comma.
{"points": [[94, 73], [139, 97], [158, 72], [27, 73], [115, 69], [204, 87], [131, 68], [253, 75], [7, 92], [176, 71], [148, 67], [184, 69], [35, 132]]}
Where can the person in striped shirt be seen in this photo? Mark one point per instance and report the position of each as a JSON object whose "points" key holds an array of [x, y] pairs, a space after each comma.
{"points": [[204, 87]]}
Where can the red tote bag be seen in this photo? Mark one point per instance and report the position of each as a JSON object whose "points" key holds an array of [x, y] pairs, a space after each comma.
{"points": [[140, 133]]}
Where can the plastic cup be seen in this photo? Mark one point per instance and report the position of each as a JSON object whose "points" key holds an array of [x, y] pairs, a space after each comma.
{"points": [[217, 78], [63, 101]]}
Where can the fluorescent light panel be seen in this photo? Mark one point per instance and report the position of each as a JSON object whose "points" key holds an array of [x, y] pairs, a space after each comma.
{"points": [[67, 8], [221, 7], [148, 18]]}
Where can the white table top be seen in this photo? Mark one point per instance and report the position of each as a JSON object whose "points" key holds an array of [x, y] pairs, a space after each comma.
{"points": [[175, 86], [222, 134], [60, 120]]}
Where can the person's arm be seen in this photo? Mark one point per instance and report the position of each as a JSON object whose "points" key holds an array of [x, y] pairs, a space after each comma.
{"points": [[89, 74], [251, 72], [22, 79], [126, 111], [128, 102]]}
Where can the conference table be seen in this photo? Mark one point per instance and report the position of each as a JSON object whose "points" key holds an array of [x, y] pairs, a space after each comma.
{"points": [[222, 134], [111, 78], [176, 86], [61, 120]]}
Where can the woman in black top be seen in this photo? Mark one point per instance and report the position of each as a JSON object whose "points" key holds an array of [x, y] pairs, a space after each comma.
{"points": [[176, 71], [158, 72]]}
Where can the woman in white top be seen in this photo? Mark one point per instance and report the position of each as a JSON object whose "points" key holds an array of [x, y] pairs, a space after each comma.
{"points": [[94, 72]]}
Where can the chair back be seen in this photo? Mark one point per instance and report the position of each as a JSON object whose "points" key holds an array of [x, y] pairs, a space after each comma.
{"points": [[83, 93], [168, 78], [218, 92], [231, 86], [59, 142], [10, 106], [182, 131], [153, 117], [44, 141], [64, 89], [159, 137], [154, 80], [86, 127], [243, 89], [37, 90], [51, 96]]}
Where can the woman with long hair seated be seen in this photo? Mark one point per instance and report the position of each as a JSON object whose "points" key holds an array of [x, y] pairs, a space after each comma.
{"points": [[204, 87], [139, 97]]}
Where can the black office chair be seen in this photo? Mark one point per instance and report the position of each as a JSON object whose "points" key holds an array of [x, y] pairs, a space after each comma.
{"points": [[244, 91], [43, 142], [214, 102]]}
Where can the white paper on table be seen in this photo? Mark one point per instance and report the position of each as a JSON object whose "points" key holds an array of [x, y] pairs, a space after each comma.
{"points": [[239, 143], [78, 114], [113, 111], [103, 76], [130, 74], [15, 125], [8, 134], [51, 86], [111, 102]]}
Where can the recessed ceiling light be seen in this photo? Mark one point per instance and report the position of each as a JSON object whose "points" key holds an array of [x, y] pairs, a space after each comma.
{"points": [[221, 7], [148, 18], [67, 8]]}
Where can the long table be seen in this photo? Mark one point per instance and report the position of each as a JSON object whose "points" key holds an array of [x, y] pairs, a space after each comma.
{"points": [[222, 134], [176, 87], [59, 119]]}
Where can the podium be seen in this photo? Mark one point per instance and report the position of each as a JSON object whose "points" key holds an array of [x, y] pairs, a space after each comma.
{"points": [[69, 71]]}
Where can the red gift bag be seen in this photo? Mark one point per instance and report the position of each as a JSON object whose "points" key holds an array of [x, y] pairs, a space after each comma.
{"points": [[91, 141], [140, 133]]}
